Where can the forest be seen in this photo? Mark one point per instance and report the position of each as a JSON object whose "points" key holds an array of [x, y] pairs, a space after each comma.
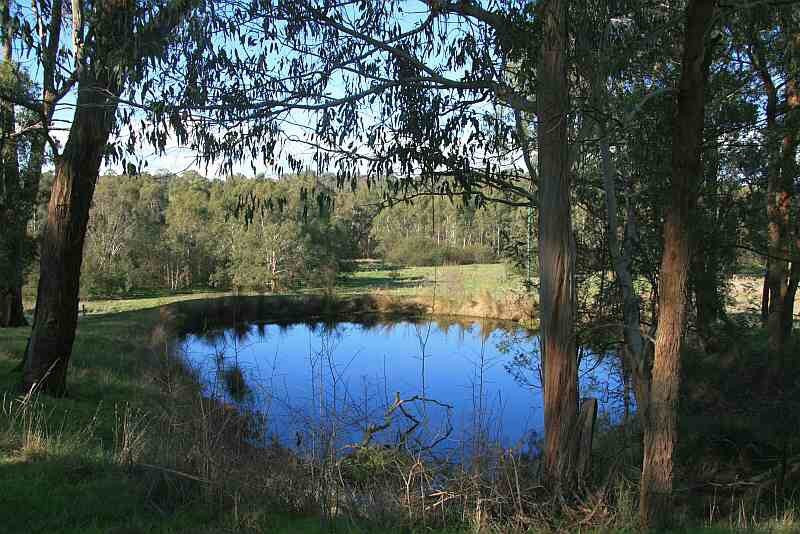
{"points": [[633, 163], [183, 232]]}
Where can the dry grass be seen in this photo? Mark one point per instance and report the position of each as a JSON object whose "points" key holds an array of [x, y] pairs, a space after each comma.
{"points": [[190, 452]]}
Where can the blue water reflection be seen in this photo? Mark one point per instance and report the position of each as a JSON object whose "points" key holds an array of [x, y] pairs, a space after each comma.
{"points": [[444, 388]]}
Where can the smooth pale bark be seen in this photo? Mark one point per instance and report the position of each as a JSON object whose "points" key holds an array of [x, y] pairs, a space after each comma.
{"points": [[635, 352], [76, 174], [556, 253], [660, 432]]}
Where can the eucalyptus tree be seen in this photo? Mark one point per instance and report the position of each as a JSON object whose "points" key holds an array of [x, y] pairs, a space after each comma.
{"points": [[114, 47], [436, 98], [24, 137], [656, 369], [661, 419], [770, 38]]}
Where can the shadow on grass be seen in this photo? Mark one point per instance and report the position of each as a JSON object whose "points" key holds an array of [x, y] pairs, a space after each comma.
{"points": [[69, 493], [376, 280]]}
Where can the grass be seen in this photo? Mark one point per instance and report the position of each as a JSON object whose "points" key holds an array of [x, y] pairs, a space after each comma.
{"points": [[61, 460], [495, 278], [75, 464], [61, 475]]}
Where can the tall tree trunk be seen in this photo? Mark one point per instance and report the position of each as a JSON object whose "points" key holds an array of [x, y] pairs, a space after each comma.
{"points": [[635, 352], [12, 198], [779, 208], [789, 174], [556, 253], [76, 173], [780, 193], [705, 266], [660, 432], [99, 86], [22, 188]]}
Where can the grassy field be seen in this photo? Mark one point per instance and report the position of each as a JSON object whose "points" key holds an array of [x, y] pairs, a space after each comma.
{"points": [[102, 460], [60, 460], [416, 281], [57, 457], [66, 465], [464, 280]]}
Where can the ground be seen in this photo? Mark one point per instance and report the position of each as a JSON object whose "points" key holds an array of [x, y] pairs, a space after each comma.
{"points": [[60, 469], [71, 465]]}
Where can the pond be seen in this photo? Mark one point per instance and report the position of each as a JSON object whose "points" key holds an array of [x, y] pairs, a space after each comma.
{"points": [[442, 387]]}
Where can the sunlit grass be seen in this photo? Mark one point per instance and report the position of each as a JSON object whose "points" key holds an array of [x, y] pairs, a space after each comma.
{"points": [[422, 281], [62, 468]]}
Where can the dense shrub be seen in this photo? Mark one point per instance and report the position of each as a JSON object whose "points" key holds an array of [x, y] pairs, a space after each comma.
{"points": [[96, 283], [423, 251]]}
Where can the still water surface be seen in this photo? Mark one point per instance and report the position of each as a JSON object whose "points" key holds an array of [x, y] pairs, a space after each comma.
{"points": [[448, 388]]}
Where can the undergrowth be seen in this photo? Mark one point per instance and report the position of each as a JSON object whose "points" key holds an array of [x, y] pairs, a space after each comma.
{"points": [[136, 447]]}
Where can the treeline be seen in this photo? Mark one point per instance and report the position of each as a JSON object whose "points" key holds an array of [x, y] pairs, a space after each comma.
{"points": [[168, 232], [435, 230]]}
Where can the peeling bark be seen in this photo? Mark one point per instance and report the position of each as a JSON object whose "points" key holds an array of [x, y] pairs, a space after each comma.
{"points": [[53, 334], [556, 254], [660, 432]]}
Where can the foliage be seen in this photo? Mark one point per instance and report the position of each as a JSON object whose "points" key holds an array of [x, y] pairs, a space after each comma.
{"points": [[17, 196], [420, 251], [436, 106], [150, 232]]}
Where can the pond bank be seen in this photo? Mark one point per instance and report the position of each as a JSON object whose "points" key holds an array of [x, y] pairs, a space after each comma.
{"points": [[194, 315], [128, 451], [129, 446], [136, 447]]}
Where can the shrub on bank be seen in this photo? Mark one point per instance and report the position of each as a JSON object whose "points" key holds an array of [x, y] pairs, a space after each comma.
{"points": [[423, 251]]}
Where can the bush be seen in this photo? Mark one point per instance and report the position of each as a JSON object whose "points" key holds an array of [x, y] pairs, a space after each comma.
{"points": [[96, 283], [423, 251]]}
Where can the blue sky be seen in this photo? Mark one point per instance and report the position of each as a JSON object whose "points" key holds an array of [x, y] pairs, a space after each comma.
{"points": [[176, 158]]}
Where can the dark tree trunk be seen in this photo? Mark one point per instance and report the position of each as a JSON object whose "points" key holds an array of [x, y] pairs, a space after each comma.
{"points": [[76, 173], [765, 296], [11, 198], [705, 270], [660, 432], [789, 174], [556, 254], [779, 207], [11, 311], [780, 200]]}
